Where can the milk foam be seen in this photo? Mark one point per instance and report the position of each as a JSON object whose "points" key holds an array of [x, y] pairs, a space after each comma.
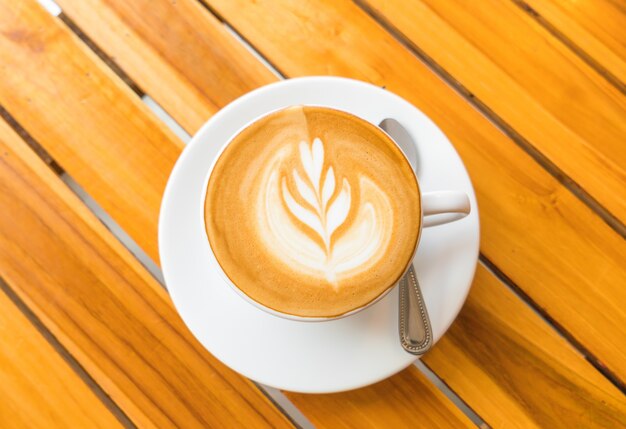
{"points": [[312, 211], [322, 205]]}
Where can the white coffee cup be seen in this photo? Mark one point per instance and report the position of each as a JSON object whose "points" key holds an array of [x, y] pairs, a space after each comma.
{"points": [[438, 208]]}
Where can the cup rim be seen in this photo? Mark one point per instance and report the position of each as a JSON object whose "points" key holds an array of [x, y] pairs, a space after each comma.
{"points": [[262, 306]]}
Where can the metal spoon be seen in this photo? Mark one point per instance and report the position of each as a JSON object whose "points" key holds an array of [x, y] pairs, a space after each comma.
{"points": [[416, 334], [401, 136]]}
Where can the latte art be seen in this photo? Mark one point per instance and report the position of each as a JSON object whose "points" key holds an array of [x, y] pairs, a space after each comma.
{"points": [[312, 212], [322, 205]]}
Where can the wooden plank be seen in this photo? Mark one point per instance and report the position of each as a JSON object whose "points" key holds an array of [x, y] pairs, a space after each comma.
{"points": [[397, 402], [533, 377], [515, 180], [527, 77], [42, 64], [596, 27], [107, 310], [182, 56], [533, 229], [37, 388]]}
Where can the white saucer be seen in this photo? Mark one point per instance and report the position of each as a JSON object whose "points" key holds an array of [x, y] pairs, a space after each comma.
{"points": [[303, 356]]}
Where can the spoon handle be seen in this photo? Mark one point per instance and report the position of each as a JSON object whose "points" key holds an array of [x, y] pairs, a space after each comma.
{"points": [[416, 335]]}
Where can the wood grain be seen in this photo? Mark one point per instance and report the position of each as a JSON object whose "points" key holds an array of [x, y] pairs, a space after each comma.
{"points": [[37, 387], [524, 187], [107, 310], [114, 147], [542, 237], [181, 55], [528, 78], [397, 402], [533, 378], [596, 27]]}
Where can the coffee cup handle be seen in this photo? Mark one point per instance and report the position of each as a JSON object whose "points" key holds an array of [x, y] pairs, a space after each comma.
{"points": [[444, 206]]}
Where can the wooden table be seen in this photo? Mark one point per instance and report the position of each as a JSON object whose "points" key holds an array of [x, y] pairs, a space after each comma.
{"points": [[530, 92]]}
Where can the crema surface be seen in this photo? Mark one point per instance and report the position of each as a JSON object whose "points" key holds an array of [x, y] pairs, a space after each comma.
{"points": [[312, 212]]}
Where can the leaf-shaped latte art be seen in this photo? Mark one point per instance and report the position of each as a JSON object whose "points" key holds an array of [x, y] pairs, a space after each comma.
{"points": [[327, 215], [314, 197]]}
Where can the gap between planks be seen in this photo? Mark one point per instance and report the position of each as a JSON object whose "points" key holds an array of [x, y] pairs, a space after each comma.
{"points": [[456, 399], [245, 42], [66, 356], [556, 172], [601, 70], [558, 328], [110, 62]]}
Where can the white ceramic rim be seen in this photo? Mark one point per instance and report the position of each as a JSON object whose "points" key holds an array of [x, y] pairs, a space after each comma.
{"points": [[265, 308]]}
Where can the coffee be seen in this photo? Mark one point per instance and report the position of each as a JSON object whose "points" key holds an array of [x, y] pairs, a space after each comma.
{"points": [[312, 212]]}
